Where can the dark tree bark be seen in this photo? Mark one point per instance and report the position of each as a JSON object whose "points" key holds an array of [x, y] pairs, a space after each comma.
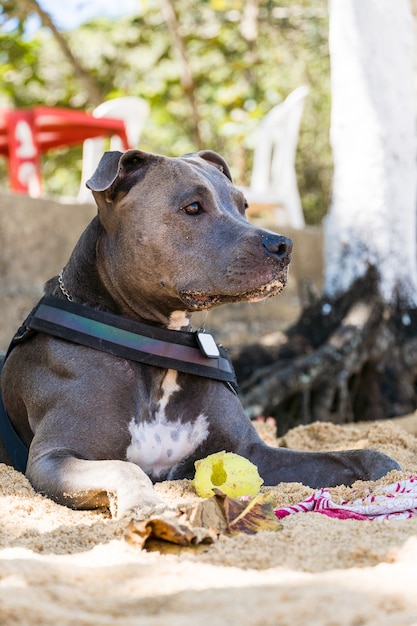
{"points": [[354, 358]]}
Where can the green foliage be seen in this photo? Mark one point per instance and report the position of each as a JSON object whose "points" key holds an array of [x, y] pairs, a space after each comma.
{"points": [[236, 81]]}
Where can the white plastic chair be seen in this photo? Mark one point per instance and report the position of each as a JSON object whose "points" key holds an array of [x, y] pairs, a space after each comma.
{"points": [[134, 112], [273, 179]]}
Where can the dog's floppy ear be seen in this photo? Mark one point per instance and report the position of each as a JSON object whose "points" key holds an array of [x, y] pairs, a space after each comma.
{"points": [[106, 172], [111, 165], [215, 159]]}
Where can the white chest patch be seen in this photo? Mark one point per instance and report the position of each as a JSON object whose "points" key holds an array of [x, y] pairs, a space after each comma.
{"points": [[159, 445]]}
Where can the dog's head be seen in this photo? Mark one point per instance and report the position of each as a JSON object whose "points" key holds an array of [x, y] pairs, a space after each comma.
{"points": [[175, 235]]}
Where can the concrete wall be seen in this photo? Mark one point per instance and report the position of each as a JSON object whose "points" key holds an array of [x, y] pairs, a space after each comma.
{"points": [[36, 239]]}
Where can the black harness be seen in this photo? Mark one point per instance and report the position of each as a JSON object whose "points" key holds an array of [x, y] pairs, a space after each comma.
{"points": [[189, 352]]}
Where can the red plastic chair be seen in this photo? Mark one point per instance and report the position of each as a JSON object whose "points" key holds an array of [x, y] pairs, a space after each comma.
{"points": [[25, 134]]}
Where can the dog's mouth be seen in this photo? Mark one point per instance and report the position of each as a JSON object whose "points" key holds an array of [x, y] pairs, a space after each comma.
{"points": [[198, 301]]}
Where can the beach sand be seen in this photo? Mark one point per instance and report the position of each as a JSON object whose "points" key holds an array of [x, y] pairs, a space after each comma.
{"points": [[59, 566]]}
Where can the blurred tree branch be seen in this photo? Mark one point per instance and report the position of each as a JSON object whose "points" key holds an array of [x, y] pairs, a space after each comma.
{"points": [[186, 75], [84, 76]]}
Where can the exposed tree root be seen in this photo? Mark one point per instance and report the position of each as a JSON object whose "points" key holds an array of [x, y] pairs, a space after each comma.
{"points": [[346, 360]]}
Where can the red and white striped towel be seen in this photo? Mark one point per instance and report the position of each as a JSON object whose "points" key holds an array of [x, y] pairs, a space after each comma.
{"points": [[394, 501]]}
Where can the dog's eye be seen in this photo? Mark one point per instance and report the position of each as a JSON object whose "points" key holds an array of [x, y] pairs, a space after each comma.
{"points": [[194, 208]]}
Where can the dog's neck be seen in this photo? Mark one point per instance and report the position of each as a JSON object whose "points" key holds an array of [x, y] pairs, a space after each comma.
{"points": [[80, 281]]}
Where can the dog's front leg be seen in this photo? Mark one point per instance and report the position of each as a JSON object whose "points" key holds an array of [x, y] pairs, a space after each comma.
{"points": [[281, 465], [319, 469], [82, 484]]}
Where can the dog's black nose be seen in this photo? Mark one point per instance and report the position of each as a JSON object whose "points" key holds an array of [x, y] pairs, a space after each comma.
{"points": [[278, 245]]}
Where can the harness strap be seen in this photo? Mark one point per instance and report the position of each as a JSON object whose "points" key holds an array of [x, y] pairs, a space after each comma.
{"points": [[169, 349]]}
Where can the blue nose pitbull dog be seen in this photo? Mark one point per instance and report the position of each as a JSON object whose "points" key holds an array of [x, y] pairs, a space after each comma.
{"points": [[112, 390]]}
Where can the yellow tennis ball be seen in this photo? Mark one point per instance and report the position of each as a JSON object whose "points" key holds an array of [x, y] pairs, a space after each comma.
{"points": [[231, 473]]}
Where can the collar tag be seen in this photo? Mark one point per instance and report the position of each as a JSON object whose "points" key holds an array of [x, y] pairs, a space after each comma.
{"points": [[207, 345]]}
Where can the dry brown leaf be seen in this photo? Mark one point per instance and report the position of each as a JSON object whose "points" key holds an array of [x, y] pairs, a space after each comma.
{"points": [[208, 513], [258, 515], [204, 522], [223, 514], [138, 533]]}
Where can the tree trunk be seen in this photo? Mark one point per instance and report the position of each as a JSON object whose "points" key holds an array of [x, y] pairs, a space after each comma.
{"points": [[372, 219], [186, 75], [353, 354]]}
